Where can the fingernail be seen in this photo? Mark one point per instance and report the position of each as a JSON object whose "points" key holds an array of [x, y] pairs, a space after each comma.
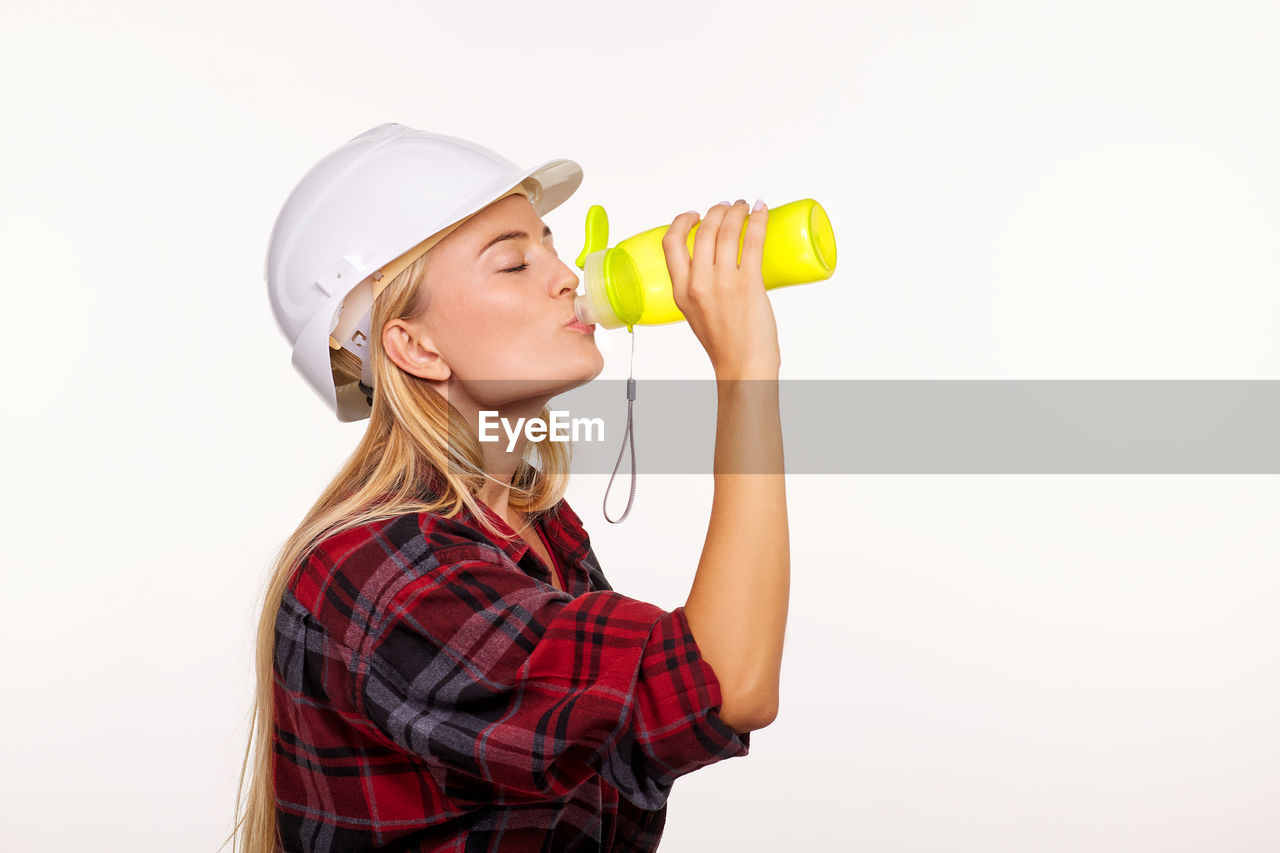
{"points": [[759, 205], [725, 203]]}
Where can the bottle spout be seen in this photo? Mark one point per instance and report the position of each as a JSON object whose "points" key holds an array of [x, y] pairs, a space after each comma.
{"points": [[592, 306], [582, 309]]}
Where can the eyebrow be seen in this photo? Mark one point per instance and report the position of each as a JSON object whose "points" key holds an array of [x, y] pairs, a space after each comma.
{"points": [[511, 235]]}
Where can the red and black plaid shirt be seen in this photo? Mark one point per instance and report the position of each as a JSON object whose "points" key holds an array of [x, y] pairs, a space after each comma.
{"points": [[433, 691]]}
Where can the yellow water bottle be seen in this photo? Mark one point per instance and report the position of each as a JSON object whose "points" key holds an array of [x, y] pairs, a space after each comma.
{"points": [[629, 285]]}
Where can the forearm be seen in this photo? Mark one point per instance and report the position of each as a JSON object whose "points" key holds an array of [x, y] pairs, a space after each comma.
{"points": [[737, 607]]}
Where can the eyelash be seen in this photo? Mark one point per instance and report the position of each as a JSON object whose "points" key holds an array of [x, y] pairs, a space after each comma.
{"points": [[524, 266]]}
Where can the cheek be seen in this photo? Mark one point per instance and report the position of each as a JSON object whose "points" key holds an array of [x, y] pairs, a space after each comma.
{"points": [[488, 335]]}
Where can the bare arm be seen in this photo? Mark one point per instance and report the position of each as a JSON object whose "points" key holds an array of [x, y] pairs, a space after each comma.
{"points": [[737, 606]]}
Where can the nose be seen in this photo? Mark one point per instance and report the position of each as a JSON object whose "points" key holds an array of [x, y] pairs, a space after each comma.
{"points": [[565, 280]]}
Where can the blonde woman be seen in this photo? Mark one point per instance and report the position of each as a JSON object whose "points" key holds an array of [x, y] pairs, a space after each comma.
{"points": [[441, 663]]}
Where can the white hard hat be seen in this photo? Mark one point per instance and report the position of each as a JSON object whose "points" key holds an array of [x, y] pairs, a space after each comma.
{"points": [[364, 213]]}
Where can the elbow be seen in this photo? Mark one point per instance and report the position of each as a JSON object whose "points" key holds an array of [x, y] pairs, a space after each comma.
{"points": [[750, 711], [762, 716]]}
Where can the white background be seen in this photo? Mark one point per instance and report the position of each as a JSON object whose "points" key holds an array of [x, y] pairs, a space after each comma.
{"points": [[1018, 189]]}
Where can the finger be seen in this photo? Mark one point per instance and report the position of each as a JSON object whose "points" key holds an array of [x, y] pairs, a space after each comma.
{"points": [[753, 243], [675, 246], [730, 235], [704, 242]]}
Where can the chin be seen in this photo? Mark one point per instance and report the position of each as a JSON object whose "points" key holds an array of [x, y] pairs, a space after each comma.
{"points": [[596, 368], [550, 379], [577, 379], [582, 369]]}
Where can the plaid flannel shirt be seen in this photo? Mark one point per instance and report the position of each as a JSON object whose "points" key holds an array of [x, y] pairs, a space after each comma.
{"points": [[433, 691]]}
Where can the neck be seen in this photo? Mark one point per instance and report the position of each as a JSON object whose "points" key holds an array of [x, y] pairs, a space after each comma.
{"points": [[502, 457]]}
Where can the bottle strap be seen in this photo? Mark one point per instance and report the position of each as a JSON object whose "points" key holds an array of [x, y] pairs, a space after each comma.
{"points": [[628, 439]]}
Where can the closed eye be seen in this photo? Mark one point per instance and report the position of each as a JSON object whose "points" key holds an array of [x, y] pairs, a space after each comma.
{"points": [[520, 268]]}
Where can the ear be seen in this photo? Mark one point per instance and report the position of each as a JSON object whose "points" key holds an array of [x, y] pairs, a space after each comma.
{"points": [[410, 347]]}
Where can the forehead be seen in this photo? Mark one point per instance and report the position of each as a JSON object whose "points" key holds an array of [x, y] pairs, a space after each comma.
{"points": [[512, 211]]}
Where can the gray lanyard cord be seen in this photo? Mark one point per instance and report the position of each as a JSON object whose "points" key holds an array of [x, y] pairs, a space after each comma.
{"points": [[628, 439]]}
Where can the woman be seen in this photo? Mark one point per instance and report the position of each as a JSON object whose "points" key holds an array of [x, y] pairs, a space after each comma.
{"points": [[441, 662]]}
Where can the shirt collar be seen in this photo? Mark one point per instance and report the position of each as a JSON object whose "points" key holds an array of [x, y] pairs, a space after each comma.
{"points": [[562, 527], [563, 534]]}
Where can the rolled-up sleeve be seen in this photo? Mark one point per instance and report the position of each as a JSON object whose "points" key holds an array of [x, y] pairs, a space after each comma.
{"points": [[512, 691], [675, 727]]}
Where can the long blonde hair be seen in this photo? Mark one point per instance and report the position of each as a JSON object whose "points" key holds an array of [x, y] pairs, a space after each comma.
{"points": [[406, 445]]}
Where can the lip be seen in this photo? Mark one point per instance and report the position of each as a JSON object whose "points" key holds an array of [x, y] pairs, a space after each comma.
{"points": [[578, 326]]}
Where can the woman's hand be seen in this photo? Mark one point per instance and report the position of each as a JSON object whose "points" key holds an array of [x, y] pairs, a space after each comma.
{"points": [[725, 302]]}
